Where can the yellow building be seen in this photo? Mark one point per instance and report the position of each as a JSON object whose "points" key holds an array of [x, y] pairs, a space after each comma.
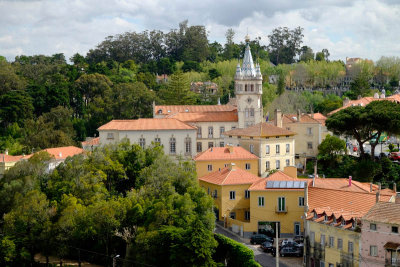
{"points": [[229, 188], [274, 145], [279, 198], [332, 227], [217, 158], [8, 161]]}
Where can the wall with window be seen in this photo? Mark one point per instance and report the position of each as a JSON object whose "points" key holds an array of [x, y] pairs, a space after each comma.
{"points": [[185, 140], [376, 234], [291, 213], [333, 254], [217, 129], [202, 166]]}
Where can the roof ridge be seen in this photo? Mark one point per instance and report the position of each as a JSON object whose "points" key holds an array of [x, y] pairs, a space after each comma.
{"points": [[226, 177]]}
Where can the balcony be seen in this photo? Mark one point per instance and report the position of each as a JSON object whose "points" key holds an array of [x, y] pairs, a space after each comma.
{"points": [[391, 262], [280, 210]]}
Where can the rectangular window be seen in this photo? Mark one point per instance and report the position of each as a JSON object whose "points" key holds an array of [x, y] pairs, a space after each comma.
{"points": [[210, 132], [248, 166], [372, 226], [172, 145], [209, 168], [188, 146], [373, 251], [261, 201], [297, 231], [247, 215], [215, 193], [301, 201], [110, 135], [232, 215], [267, 149], [233, 128], [322, 240], [208, 191], [340, 244], [277, 149], [278, 164], [199, 147], [221, 130], [288, 162], [251, 112], [210, 144], [350, 247], [312, 238], [395, 229], [331, 241], [221, 144], [309, 145], [309, 131], [199, 132], [251, 148], [232, 195], [287, 148], [281, 204], [142, 142], [267, 165], [246, 194], [321, 264], [157, 141]]}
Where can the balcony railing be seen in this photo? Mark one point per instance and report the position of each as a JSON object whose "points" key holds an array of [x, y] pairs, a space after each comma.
{"points": [[392, 262]]}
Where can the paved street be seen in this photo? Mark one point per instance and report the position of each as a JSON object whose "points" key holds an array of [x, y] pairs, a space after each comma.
{"points": [[265, 259]]}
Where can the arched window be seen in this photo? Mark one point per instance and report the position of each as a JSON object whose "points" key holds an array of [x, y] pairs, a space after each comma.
{"points": [[252, 87], [188, 146], [172, 145], [245, 87], [251, 112]]}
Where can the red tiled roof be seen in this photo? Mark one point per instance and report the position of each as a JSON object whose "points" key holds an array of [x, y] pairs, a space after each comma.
{"points": [[91, 142], [9, 158], [223, 153], [146, 125], [226, 176], [260, 185], [64, 152], [320, 118], [171, 109], [262, 129], [384, 212], [292, 118], [206, 116], [343, 184]]}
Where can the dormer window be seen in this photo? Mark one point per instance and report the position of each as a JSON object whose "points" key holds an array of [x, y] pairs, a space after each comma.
{"points": [[160, 111], [326, 218], [343, 222], [334, 219], [315, 215]]}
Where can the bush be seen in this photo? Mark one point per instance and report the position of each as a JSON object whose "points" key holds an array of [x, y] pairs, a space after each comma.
{"points": [[233, 252]]}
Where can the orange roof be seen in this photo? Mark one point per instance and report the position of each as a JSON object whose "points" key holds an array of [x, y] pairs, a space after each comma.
{"points": [[91, 142], [292, 118], [319, 117], [223, 153], [146, 125], [64, 152], [260, 185], [262, 129], [227, 176], [171, 109], [9, 158], [206, 116], [343, 184], [384, 212]]}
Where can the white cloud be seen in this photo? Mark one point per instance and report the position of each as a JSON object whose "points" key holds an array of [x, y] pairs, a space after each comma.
{"points": [[346, 28]]}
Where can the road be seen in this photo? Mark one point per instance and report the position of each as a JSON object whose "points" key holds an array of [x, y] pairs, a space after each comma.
{"points": [[265, 259]]}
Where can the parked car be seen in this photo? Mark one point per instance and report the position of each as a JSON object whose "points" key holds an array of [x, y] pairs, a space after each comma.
{"points": [[259, 239], [267, 246], [394, 156], [299, 239], [291, 251]]}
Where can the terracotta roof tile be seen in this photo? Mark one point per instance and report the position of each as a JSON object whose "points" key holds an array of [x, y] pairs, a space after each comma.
{"points": [[91, 142], [292, 118], [64, 152], [146, 125], [9, 158], [171, 109], [206, 116], [260, 185], [320, 118], [223, 153], [226, 176], [384, 212], [262, 129]]}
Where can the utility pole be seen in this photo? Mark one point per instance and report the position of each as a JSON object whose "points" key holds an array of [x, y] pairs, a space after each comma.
{"points": [[277, 244]]}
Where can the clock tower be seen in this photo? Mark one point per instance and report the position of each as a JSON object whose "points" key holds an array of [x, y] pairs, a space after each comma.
{"points": [[248, 90]]}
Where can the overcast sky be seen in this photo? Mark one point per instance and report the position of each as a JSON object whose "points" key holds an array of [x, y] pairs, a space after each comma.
{"points": [[367, 29]]}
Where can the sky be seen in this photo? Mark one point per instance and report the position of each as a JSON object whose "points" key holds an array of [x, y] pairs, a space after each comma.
{"points": [[366, 28]]}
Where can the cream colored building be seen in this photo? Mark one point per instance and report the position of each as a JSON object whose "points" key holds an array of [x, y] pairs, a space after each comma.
{"points": [[274, 145], [176, 137]]}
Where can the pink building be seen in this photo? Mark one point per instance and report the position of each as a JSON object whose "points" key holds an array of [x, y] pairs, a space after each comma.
{"points": [[380, 238]]}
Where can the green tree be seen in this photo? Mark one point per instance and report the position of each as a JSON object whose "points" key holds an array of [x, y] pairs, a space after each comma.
{"points": [[284, 44], [178, 91], [9, 80], [15, 106], [331, 147], [306, 54]]}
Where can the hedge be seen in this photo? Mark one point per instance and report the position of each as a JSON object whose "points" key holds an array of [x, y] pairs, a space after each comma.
{"points": [[235, 253]]}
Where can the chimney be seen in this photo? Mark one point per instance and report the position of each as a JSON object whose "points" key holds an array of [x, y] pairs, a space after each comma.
{"points": [[60, 155], [379, 186], [370, 187], [346, 101], [278, 118], [378, 196], [395, 187], [313, 181], [350, 180], [219, 101], [232, 166], [359, 97], [298, 115], [312, 113], [397, 200], [230, 147], [6, 152]]}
